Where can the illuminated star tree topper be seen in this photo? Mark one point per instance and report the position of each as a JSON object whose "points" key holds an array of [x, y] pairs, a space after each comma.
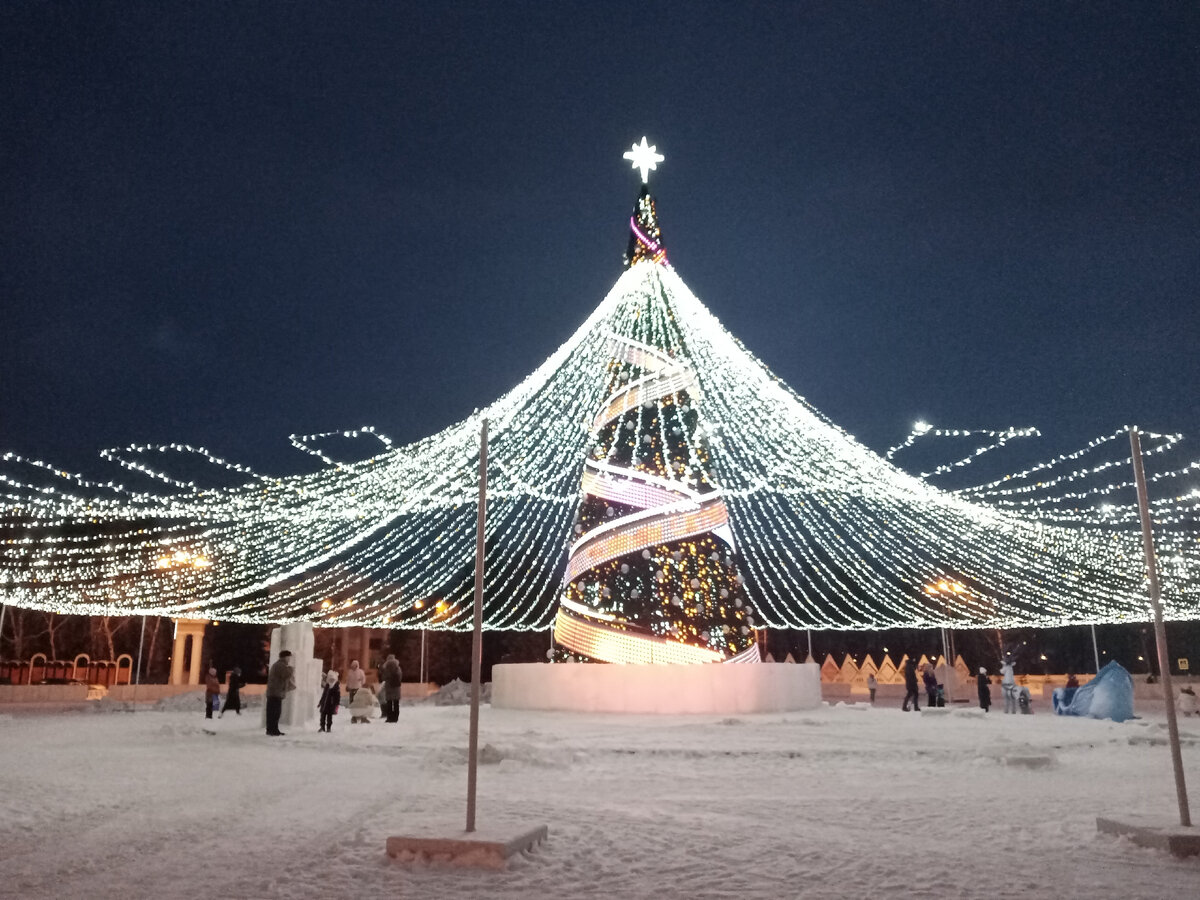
{"points": [[644, 157]]}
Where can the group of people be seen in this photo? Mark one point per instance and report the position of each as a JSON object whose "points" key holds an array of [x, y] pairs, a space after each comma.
{"points": [[933, 690], [281, 678], [912, 688], [233, 693], [1014, 698]]}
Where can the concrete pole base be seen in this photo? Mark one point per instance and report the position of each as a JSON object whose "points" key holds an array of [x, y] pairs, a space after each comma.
{"points": [[484, 849], [1152, 831]]}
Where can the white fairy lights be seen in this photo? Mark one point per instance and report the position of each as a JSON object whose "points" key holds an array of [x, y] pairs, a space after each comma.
{"points": [[828, 533]]}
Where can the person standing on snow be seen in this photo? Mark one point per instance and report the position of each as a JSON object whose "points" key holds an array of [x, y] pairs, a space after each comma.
{"points": [[331, 697], [910, 685], [1186, 701], [872, 686], [233, 695], [985, 690], [212, 692], [929, 677], [363, 707], [1008, 684], [281, 678], [355, 679], [389, 697]]}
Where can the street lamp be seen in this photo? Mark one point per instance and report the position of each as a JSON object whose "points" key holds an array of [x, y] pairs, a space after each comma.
{"points": [[952, 589], [180, 559]]}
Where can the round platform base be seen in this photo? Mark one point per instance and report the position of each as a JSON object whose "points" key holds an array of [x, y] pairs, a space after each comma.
{"points": [[658, 689]]}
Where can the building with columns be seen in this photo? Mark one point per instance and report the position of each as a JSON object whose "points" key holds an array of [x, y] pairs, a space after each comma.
{"points": [[189, 648]]}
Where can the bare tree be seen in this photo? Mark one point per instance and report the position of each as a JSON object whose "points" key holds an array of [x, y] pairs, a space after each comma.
{"points": [[153, 641], [24, 631], [54, 624], [104, 629]]}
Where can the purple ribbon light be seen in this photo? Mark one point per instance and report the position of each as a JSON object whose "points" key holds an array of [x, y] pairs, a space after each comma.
{"points": [[652, 246]]}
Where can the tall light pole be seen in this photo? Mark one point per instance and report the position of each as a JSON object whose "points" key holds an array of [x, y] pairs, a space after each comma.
{"points": [[477, 632], [947, 589], [1160, 631]]}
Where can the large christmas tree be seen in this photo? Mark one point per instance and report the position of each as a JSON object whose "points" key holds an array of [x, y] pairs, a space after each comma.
{"points": [[652, 572]]}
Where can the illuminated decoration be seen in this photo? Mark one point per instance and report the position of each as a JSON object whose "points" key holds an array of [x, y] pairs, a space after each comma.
{"points": [[1001, 438], [651, 575], [645, 158], [828, 534], [645, 238]]}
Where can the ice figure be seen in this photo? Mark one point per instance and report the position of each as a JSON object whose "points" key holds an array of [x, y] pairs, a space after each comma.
{"points": [[1107, 696], [300, 705]]}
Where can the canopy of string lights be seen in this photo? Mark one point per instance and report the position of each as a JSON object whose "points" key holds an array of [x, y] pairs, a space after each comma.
{"points": [[829, 534]]}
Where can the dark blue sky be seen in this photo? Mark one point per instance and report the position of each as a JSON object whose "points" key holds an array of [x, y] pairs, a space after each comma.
{"points": [[226, 223]]}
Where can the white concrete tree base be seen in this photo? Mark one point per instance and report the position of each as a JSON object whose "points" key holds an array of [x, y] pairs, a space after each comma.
{"points": [[713, 689], [485, 848], [1154, 831]]}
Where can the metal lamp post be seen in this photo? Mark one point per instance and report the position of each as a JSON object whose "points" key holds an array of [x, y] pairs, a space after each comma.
{"points": [[1160, 631]]}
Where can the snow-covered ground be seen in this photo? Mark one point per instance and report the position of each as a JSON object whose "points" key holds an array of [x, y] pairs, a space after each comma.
{"points": [[839, 802]]}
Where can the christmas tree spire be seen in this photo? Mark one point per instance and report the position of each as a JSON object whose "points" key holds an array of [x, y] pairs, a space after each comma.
{"points": [[645, 237]]}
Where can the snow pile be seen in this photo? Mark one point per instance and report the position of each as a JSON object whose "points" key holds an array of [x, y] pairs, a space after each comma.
{"points": [[457, 693]]}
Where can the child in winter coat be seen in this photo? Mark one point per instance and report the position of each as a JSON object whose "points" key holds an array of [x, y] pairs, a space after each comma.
{"points": [[355, 679], [1186, 702], [929, 678], [331, 697], [363, 707]]}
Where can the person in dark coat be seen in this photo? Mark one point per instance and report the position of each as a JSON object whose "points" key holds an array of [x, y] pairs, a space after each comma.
{"points": [[212, 692], [985, 690], [233, 695], [389, 695], [281, 678], [331, 697], [910, 685], [929, 677]]}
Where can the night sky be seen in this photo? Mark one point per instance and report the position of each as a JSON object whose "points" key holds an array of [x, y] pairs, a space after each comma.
{"points": [[226, 223]]}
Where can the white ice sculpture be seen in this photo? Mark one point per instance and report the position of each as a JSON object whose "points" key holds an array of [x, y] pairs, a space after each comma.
{"points": [[300, 705]]}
